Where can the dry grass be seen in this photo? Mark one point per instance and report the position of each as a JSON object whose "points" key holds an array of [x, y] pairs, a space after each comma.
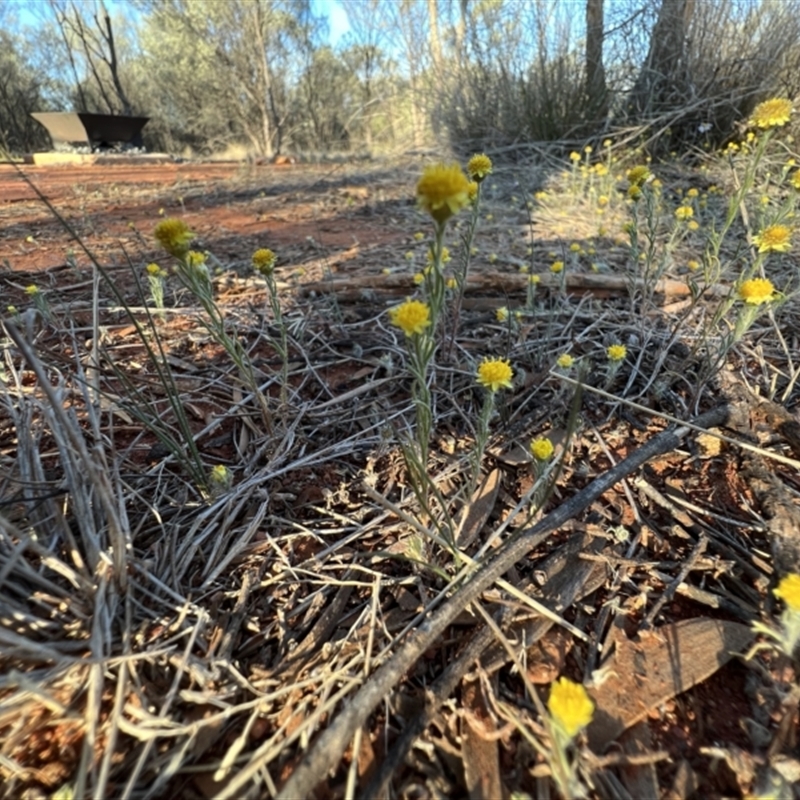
{"points": [[302, 627]]}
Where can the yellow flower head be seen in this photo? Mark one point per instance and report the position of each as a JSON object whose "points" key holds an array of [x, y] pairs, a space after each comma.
{"points": [[12, 311], [684, 212], [419, 236], [607, 142], [638, 175], [418, 278], [574, 156], [264, 261], [788, 590], [602, 201], [153, 269], [693, 225], [534, 279], [575, 248], [173, 235], [693, 264], [221, 476], [412, 317], [494, 374], [501, 314], [692, 193], [32, 290], [445, 256], [570, 706], [565, 361], [479, 166], [634, 192], [772, 113], [451, 283], [774, 238], [557, 266], [616, 352], [443, 190], [600, 169], [472, 191], [795, 179], [542, 449], [756, 291]]}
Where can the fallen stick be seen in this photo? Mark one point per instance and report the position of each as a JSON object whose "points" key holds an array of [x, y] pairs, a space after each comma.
{"points": [[353, 287]]}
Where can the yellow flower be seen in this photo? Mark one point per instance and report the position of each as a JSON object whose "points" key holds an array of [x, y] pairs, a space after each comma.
{"points": [[616, 352], [534, 279], [557, 266], [587, 149], [12, 311], [774, 238], [443, 190], [264, 261], [221, 477], [451, 283], [412, 317], [772, 113], [494, 374], [419, 236], [570, 706], [501, 314], [153, 269], [573, 156], [600, 169], [634, 192], [693, 225], [32, 290], [479, 166], [409, 256], [540, 196], [575, 247], [173, 235], [418, 278], [638, 175], [788, 590], [756, 291], [692, 193], [472, 191], [542, 449], [684, 212], [525, 269], [602, 201], [693, 265], [795, 179], [565, 361], [607, 143], [492, 258], [445, 255]]}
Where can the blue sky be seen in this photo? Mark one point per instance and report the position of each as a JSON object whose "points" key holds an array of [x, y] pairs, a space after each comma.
{"points": [[337, 18]]}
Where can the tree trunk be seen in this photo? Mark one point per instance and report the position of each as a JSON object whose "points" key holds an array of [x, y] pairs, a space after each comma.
{"points": [[596, 90], [664, 82]]}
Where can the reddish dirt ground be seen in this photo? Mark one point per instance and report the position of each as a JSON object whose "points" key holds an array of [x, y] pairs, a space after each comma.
{"points": [[306, 213]]}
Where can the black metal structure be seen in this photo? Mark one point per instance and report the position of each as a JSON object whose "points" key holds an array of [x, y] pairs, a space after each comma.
{"points": [[99, 131]]}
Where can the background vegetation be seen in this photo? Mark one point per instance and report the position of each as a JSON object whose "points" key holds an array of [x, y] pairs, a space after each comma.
{"points": [[262, 75]]}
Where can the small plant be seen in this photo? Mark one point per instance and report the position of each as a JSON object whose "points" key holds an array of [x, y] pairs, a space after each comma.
{"points": [[156, 278]]}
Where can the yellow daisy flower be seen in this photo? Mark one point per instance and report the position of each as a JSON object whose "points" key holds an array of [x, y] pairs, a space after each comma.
{"points": [[638, 175], [788, 590], [616, 352], [443, 190], [479, 166], [565, 361], [570, 706], [684, 212], [772, 113], [756, 291], [173, 235], [264, 261], [774, 238], [557, 266], [494, 374], [412, 317]]}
